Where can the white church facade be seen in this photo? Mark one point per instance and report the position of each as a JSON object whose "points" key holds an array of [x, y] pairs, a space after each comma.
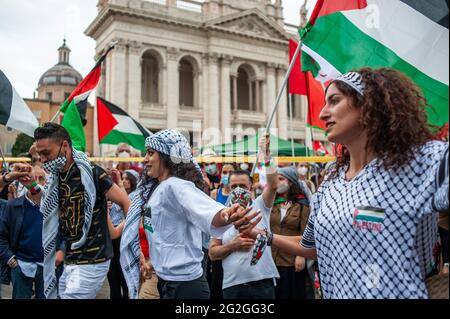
{"points": [[212, 68]]}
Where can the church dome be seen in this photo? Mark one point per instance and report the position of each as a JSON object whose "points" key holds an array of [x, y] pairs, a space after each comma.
{"points": [[62, 73]]}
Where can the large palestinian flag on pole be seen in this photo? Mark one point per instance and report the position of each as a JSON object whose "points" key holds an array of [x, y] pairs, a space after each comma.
{"points": [[115, 126], [411, 36]]}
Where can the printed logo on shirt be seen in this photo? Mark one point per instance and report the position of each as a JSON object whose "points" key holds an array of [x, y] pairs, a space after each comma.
{"points": [[148, 220], [370, 218]]}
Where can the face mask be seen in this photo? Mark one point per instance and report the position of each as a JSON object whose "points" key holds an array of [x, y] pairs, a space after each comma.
{"points": [[55, 166], [240, 196], [123, 154], [211, 169], [244, 166], [282, 188], [303, 171], [225, 181]]}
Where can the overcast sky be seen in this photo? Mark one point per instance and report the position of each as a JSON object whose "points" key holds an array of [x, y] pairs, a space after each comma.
{"points": [[32, 30]]}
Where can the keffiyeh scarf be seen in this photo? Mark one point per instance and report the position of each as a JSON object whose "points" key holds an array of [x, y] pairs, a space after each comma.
{"points": [[168, 142], [49, 209], [130, 247]]}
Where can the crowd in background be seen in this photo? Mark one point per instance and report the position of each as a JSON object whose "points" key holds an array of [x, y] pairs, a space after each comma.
{"points": [[298, 277]]}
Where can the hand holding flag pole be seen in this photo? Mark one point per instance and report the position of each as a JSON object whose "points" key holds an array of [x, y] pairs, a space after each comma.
{"points": [[277, 101]]}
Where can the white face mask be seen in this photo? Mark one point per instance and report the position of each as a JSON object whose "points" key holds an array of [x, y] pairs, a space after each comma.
{"points": [[123, 154], [211, 169], [244, 166], [282, 188], [302, 171]]}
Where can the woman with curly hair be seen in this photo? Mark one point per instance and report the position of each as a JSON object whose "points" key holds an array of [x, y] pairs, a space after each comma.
{"points": [[176, 211], [373, 221]]}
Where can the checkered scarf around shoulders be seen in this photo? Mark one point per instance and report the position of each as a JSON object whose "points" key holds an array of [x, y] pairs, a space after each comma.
{"points": [[49, 209], [168, 142]]}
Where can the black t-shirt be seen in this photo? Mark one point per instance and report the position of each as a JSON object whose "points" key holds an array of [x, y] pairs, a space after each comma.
{"points": [[98, 246]]}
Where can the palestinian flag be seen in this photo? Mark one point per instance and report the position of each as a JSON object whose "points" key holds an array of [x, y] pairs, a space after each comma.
{"points": [[304, 83], [316, 101], [115, 126], [297, 79], [408, 35], [75, 107], [14, 113], [319, 148]]}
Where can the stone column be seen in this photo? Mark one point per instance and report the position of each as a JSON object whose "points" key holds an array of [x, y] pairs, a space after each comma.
{"points": [[282, 107], [225, 96], [196, 92], [250, 95], [134, 80], [214, 98], [271, 92], [118, 74], [172, 87], [235, 93], [205, 88], [258, 95]]}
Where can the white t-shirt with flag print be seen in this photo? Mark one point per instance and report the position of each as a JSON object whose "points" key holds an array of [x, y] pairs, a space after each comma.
{"points": [[375, 234]]}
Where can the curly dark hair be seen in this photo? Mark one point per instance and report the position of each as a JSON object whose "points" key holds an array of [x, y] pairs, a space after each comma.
{"points": [[392, 113], [186, 171]]}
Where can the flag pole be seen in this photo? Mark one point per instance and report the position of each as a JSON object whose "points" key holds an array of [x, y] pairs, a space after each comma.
{"points": [[290, 128], [277, 101], [111, 46], [5, 169]]}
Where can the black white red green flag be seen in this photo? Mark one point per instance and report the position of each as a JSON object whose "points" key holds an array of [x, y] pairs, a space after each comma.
{"points": [[115, 126]]}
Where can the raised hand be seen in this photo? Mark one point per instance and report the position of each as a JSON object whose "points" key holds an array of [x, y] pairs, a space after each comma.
{"points": [[233, 213]]}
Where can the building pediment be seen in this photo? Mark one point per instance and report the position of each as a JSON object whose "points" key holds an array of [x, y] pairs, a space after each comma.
{"points": [[252, 22]]}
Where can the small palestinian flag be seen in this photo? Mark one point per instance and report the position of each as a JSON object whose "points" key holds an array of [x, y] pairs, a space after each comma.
{"points": [[115, 126]]}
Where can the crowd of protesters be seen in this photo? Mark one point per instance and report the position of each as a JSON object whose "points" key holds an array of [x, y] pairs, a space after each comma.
{"points": [[365, 226]]}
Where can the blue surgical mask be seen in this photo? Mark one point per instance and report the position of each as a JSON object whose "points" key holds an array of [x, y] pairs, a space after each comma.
{"points": [[225, 181]]}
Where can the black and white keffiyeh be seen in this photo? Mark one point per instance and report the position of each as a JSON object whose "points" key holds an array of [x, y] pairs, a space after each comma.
{"points": [[354, 80], [170, 142], [258, 250], [49, 209], [130, 247]]}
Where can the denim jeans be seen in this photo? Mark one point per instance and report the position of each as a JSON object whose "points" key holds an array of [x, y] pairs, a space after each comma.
{"points": [[23, 286]]}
